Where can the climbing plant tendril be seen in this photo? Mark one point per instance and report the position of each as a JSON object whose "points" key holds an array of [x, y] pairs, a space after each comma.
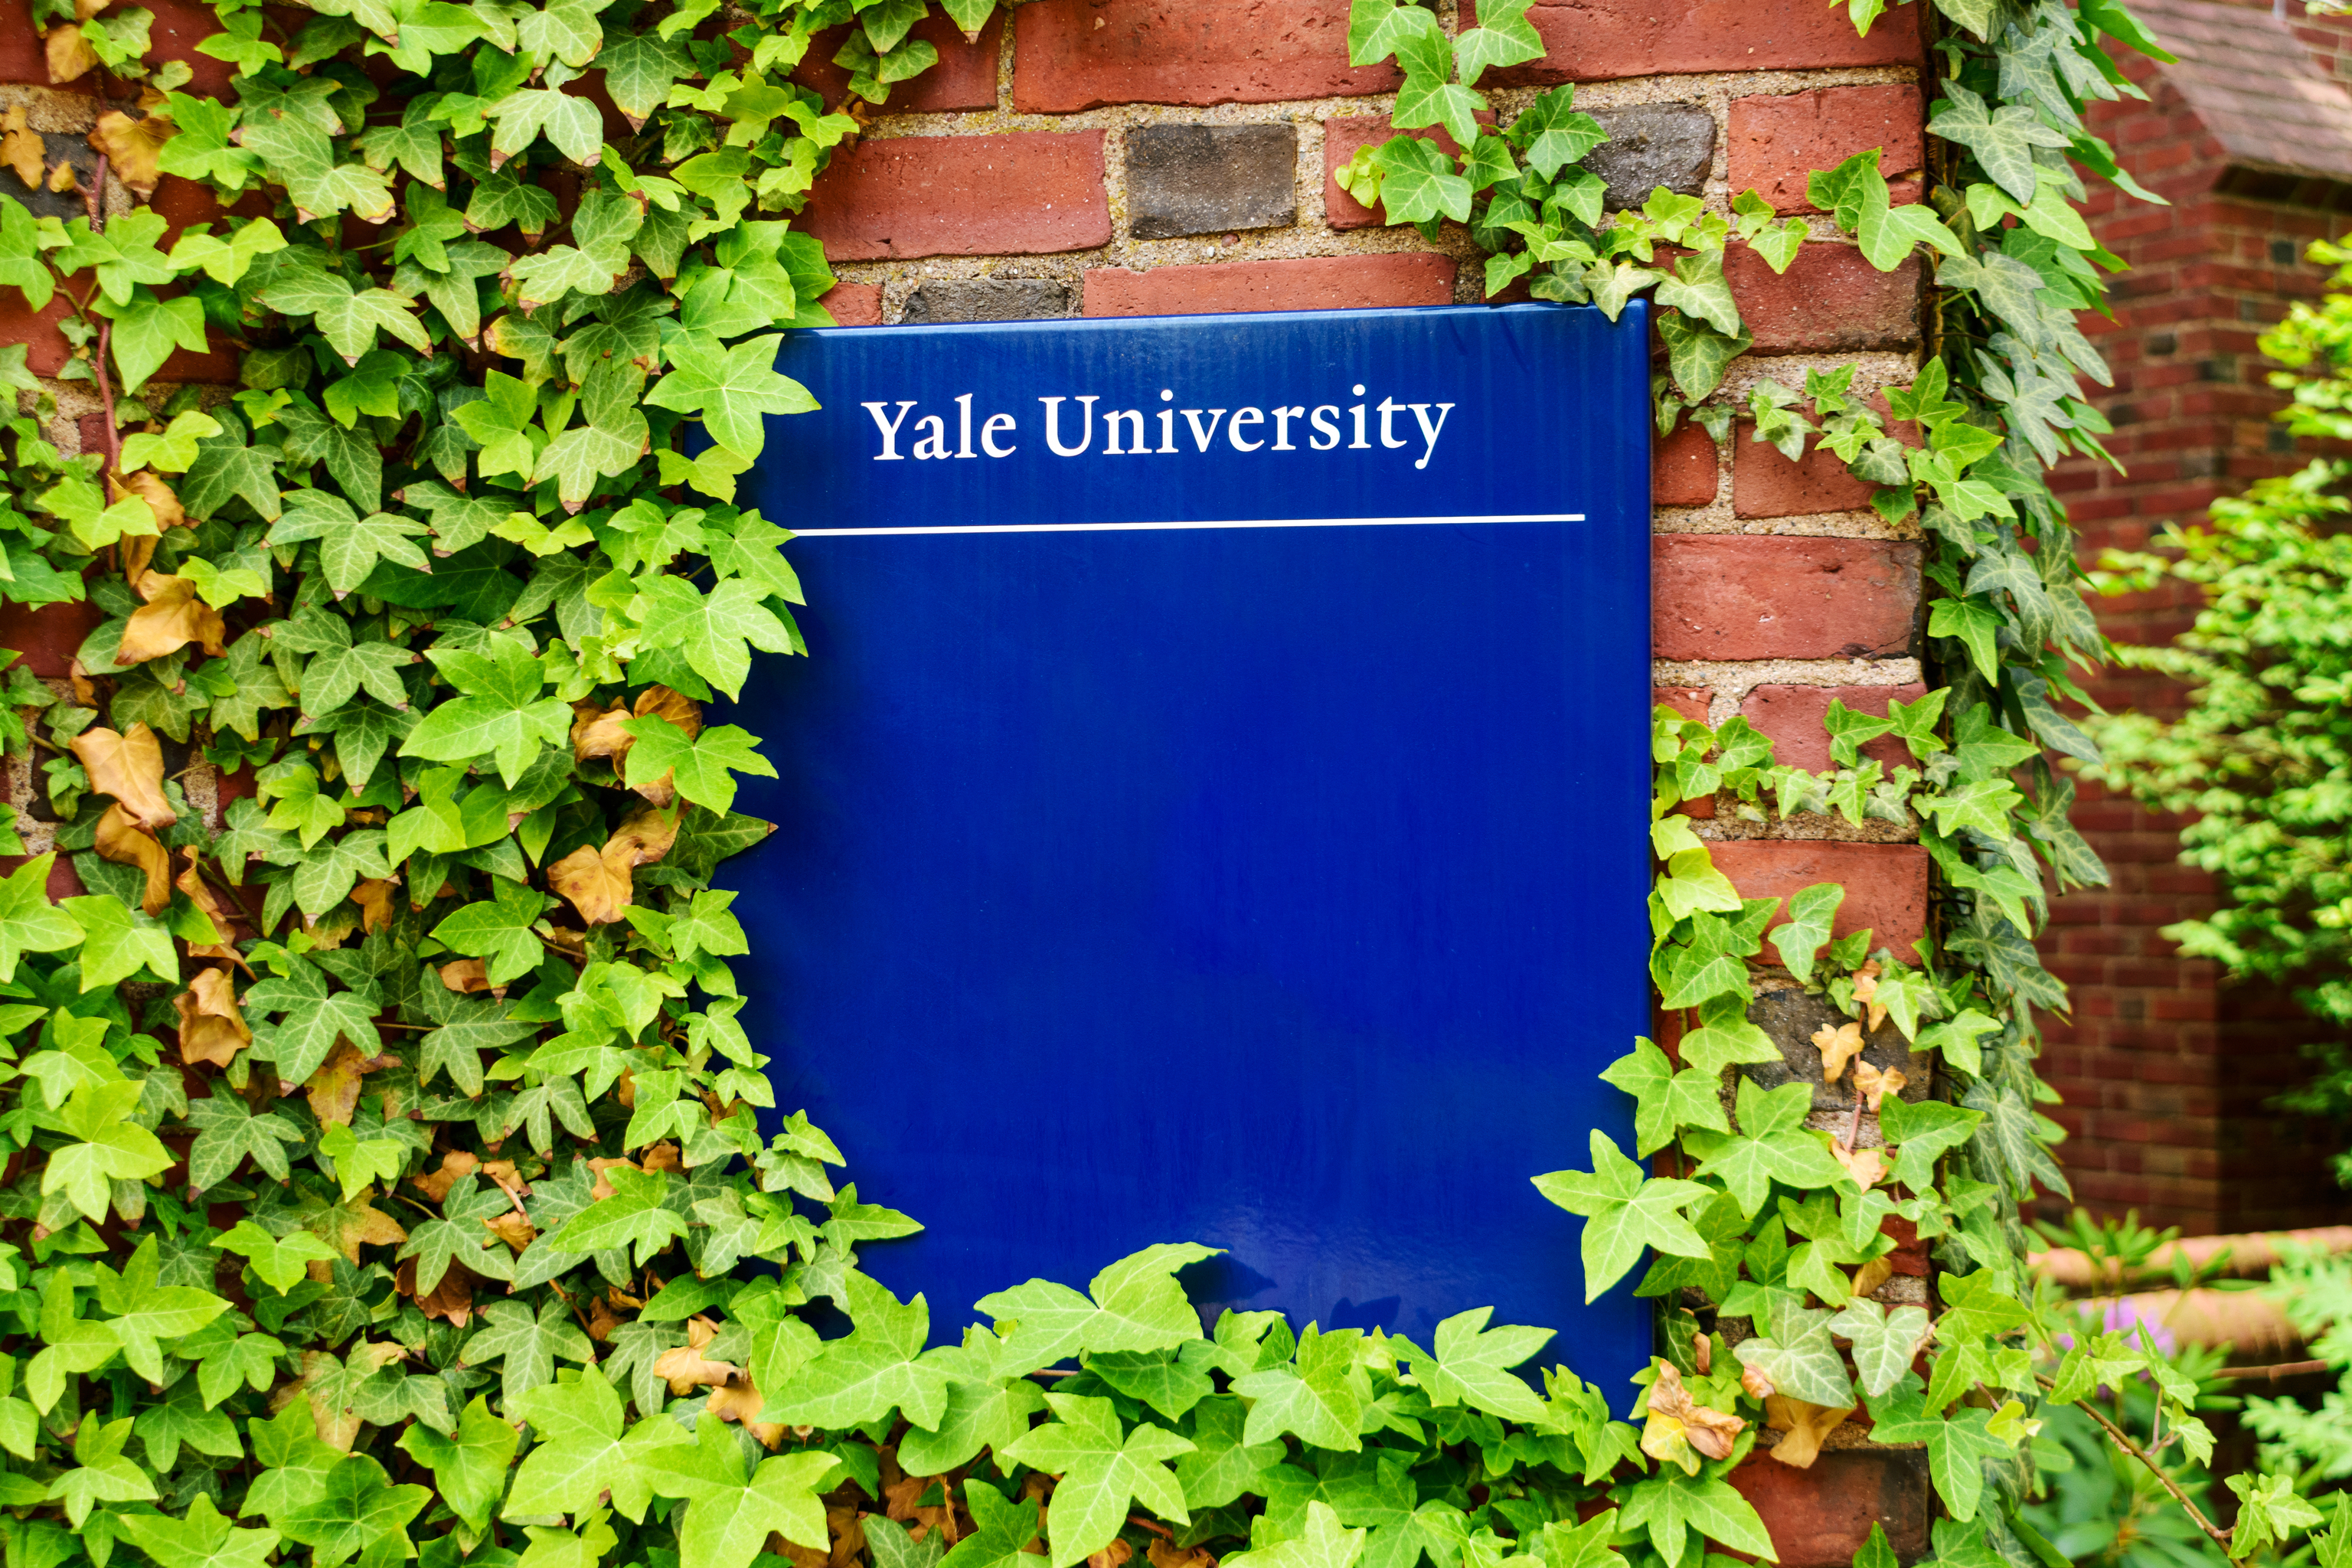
{"points": [[425, 1235]]}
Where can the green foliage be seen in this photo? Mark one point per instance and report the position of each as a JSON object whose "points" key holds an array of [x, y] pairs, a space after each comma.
{"points": [[2261, 752]]}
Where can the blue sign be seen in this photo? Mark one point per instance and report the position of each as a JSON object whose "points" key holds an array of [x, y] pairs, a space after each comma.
{"points": [[1212, 807]]}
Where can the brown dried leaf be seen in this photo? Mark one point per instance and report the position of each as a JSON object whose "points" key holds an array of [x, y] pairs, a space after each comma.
{"points": [[62, 178], [466, 974], [597, 732], [373, 896], [598, 884], [452, 1298], [22, 149], [150, 488], [1872, 1274], [846, 1529], [130, 146], [349, 1227], [1864, 1165], [212, 1029], [121, 840], [513, 1229], [1111, 1556], [1168, 1555], [129, 767], [456, 1165], [70, 59], [1712, 1431], [200, 893], [602, 1319], [664, 1157], [171, 619], [1838, 1047], [1702, 1352], [334, 1089], [1806, 1426], [1752, 1379], [1865, 991], [1874, 1085], [685, 1367], [604, 1189], [742, 1401]]}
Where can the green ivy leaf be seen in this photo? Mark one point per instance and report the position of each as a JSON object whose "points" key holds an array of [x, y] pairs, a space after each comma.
{"points": [[732, 1507], [1624, 1212], [1103, 1473]]}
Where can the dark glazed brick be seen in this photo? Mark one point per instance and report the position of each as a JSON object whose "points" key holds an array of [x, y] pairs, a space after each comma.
{"points": [[1791, 1017], [1652, 144], [1206, 179], [986, 300]]}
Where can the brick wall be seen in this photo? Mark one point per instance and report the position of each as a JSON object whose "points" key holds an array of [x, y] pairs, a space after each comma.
{"points": [[1109, 157], [2166, 1072]]}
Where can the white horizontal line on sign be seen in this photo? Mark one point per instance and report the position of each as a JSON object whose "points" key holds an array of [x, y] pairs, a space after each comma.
{"points": [[1237, 522]]}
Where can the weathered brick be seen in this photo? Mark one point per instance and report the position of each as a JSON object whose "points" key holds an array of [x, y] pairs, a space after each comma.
{"points": [[1886, 884], [49, 638], [1830, 301], [179, 26], [1070, 55], [46, 348], [64, 882], [1606, 40], [1777, 140], [965, 77], [1319, 283], [1683, 469], [1724, 597], [1024, 193], [1792, 716], [1820, 1518], [1690, 701], [1652, 144], [1766, 484], [854, 304], [986, 300], [1206, 179]]}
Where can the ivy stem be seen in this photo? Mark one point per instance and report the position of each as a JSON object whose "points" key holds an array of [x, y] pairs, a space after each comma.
{"points": [[96, 202], [2219, 1536]]}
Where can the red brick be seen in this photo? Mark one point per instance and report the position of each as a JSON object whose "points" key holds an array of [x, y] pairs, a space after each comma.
{"points": [[1690, 701], [1766, 484], [1024, 193], [1820, 1518], [1721, 597], [1792, 716], [1776, 140], [854, 304], [1320, 283], [49, 637], [46, 348], [965, 77], [1683, 469], [1342, 134], [64, 882], [1886, 884], [24, 60], [1829, 300], [1070, 55], [179, 26], [1606, 40]]}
